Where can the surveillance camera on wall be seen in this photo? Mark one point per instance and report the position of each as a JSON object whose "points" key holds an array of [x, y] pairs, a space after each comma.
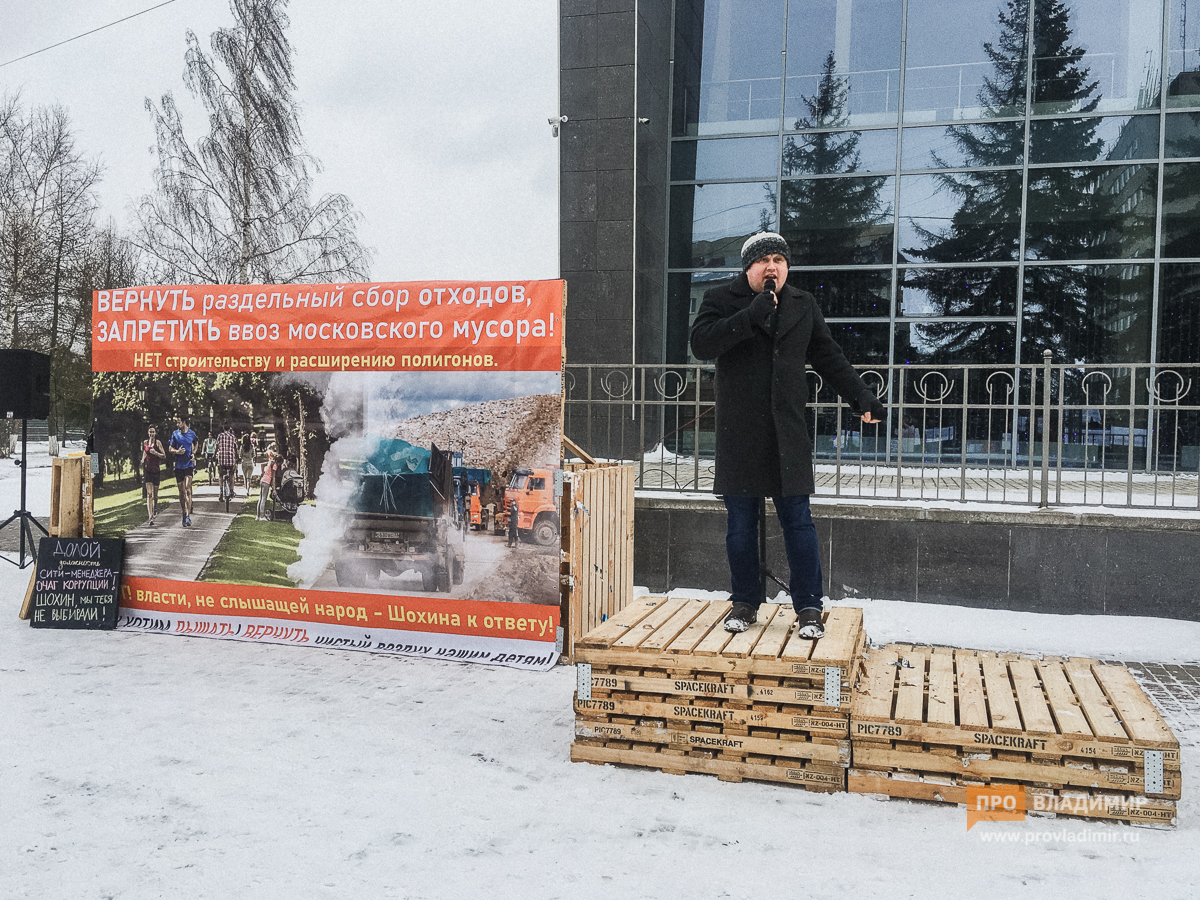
{"points": [[554, 122]]}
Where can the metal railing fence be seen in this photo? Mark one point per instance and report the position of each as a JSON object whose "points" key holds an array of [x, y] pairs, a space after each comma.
{"points": [[1050, 434]]}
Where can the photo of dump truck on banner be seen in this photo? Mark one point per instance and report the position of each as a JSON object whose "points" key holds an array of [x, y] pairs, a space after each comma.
{"points": [[401, 517]]}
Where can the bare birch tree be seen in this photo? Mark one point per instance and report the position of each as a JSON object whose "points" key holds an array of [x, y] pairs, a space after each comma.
{"points": [[235, 207], [48, 243]]}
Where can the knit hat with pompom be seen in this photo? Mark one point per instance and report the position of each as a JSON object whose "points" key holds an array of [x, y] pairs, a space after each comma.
{"points": [[764, 244]]}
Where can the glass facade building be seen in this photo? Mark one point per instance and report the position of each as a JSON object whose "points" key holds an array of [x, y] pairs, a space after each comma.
{"points": [[967, 181]]}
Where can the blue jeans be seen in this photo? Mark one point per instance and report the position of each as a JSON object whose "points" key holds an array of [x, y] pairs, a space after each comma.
{"points": [[799, 541]]}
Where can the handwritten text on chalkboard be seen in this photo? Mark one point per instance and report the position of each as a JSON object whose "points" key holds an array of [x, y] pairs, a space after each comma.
{"points": [[77, 583]]}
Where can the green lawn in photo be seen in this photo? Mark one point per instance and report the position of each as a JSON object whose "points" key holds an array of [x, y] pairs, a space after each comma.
{"points": [[254, 552], [119, 507]]}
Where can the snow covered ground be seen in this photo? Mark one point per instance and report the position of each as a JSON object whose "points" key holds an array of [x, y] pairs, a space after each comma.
{"points": [[140, 765]]}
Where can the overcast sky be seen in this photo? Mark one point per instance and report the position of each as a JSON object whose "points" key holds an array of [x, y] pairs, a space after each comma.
{"points": [[429, 114]]}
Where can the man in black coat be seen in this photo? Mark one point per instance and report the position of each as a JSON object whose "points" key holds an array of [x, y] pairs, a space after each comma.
{"points": [[763, 332]]}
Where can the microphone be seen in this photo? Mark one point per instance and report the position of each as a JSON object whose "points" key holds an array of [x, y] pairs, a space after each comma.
{"points": [[769, 285]]}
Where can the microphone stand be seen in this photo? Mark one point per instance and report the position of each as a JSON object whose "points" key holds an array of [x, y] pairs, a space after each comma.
{"points": [[763, 572]]}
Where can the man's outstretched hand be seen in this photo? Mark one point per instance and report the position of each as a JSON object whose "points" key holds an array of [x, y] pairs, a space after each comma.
{"points": [[872, 410]]}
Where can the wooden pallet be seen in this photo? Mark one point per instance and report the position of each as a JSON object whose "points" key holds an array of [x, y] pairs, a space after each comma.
{"points": [[596, 572], [681, 636], [754, 690], [679, 736], [1088, 804], [731, 720], [942, 718], [985, 767], [811, 776]]}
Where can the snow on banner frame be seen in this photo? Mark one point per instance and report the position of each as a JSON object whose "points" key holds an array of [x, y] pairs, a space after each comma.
{"points": [[384, 330]]}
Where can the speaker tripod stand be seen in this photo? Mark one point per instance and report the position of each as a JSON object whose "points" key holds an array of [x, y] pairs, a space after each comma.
{"points": [[22, 517]]}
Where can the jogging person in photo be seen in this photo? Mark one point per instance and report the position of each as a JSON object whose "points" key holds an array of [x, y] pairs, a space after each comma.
{"points": [[183, 446], [227, 459], [153, 455], [210, 456], [763, 332]]}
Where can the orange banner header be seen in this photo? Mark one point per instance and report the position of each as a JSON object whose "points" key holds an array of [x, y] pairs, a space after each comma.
{"points": [[383, 326]]}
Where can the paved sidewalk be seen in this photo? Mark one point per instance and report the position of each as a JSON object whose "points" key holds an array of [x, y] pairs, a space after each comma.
{"points": [[168, 550]]}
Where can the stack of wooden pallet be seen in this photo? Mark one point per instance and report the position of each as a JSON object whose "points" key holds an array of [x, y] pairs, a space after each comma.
{"points": [[1081, 737], [663, 685]]}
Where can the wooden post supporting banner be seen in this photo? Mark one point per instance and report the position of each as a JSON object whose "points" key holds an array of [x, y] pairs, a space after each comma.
{"points": [[71, 509], [27, 606], [578, 452]]}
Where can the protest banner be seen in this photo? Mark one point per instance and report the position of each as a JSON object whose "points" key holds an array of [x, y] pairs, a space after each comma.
{"points": [[336, 465]]}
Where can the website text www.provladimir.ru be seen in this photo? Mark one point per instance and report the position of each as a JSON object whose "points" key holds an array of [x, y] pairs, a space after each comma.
{"points": [[1008, 803], [1062, 836]]}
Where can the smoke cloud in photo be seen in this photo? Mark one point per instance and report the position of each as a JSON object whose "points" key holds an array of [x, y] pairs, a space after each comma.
{"points": [[323, 524]]}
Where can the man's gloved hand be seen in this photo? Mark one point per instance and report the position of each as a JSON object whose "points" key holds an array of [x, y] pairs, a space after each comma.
{"points": [[761, 308], [872, 410]]}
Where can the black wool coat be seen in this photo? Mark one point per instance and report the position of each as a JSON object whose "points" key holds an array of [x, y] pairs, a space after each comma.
{"points": [[764, 444]]}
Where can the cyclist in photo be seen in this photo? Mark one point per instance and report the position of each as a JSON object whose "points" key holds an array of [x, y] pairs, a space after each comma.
{"points": [[227, 452]]}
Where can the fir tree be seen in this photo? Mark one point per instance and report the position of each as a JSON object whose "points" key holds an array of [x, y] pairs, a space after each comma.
{"points": [[832, 221], [1069, 216]]}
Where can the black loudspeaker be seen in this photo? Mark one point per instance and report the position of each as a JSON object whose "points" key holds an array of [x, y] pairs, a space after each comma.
{"points": [[24, 384]]}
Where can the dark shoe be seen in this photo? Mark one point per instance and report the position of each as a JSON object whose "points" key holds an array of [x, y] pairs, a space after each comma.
{"points": [[741, 617], [809, 625]]}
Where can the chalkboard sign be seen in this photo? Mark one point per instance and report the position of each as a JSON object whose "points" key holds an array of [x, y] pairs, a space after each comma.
{"points": [[78, 583]]}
